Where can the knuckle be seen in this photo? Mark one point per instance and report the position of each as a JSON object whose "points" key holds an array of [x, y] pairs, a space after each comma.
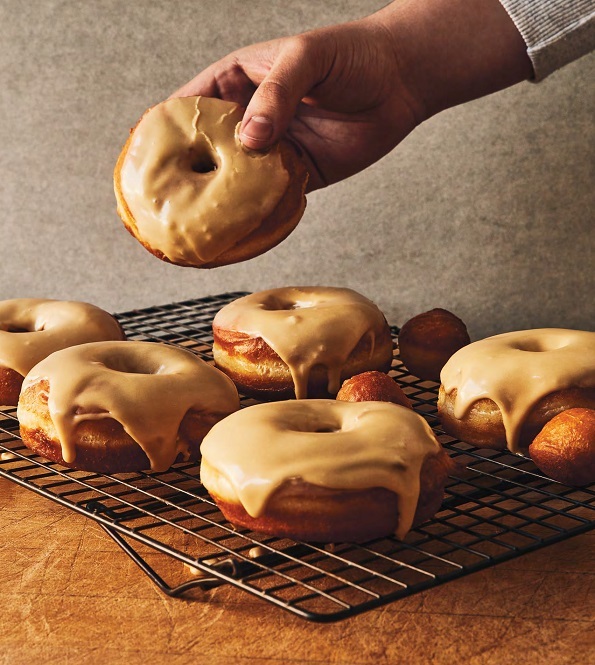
{"points": [[308, 53], [298, 46]]}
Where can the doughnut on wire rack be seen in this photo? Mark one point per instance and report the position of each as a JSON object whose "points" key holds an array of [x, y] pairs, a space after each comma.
{"points": [[499, 506]]}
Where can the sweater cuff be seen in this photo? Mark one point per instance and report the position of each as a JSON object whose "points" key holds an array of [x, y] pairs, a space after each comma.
{"points": [[556, 32]]}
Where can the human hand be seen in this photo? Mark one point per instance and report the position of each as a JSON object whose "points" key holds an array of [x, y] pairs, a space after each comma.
{"points": [[334, 92], [346, 95]]}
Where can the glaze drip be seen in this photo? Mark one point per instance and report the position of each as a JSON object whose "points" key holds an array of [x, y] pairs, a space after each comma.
{"points": [[517, 369], [339, 445], [307, 326], [147, 387]]}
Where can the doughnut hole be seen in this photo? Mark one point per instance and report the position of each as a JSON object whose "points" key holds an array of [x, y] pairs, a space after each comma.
{"points": [[275, 304], [10, 386], [318, 425], [203, 163], [428, 340], [541, 344], [121, 362], [9, 327], [565, 448], [372, 386]]}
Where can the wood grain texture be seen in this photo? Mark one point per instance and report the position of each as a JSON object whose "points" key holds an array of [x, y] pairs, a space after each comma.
{"points": [[69, 595]]}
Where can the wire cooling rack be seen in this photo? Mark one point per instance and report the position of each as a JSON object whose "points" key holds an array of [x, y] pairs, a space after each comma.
{"points": [[498, 506]]}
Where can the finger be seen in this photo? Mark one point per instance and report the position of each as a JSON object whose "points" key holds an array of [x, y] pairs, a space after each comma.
{"points": [[224, 79], [204, 83], [293, 74]]}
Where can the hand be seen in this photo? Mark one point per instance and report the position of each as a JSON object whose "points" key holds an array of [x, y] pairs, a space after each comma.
{"points": [[346, 95], [334, 92]]}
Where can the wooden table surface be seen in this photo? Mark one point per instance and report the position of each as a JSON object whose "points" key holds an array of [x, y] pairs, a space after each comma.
{"points": [[70, 595]]}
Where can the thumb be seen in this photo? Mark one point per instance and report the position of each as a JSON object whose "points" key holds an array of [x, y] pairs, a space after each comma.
{"points": [[274, 103]]}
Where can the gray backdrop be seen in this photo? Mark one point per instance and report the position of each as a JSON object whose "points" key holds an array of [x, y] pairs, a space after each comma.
{"points": [[486, 210]]}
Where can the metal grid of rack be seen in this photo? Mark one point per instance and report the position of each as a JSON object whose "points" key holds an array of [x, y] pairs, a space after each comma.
{"points": [[498, 506]]}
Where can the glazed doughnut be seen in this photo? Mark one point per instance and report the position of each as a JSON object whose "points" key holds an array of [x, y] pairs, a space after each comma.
{"points": [[325, 471], [114, 407], [565, 448], [191, 194], [372, 387], [428, 340], [31, 329], [499, 392], [299, 341]]}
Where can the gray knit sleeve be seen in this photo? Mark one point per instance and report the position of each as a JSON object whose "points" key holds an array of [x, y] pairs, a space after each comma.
{"points": [[556, 31]]}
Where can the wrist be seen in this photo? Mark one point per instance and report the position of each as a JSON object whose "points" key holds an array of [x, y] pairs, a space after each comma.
{"points": [[452, 51]]}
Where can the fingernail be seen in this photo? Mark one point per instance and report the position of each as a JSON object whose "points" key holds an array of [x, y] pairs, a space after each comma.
{"points": [[258, 129]]}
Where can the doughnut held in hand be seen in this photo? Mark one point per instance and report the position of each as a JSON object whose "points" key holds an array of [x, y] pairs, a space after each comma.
{"points": [[428, 340], [499, 392], [193, 195], [325, 471], [32, 328], [565, 448], [115, 407], [300, 341], [372, 387]]}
